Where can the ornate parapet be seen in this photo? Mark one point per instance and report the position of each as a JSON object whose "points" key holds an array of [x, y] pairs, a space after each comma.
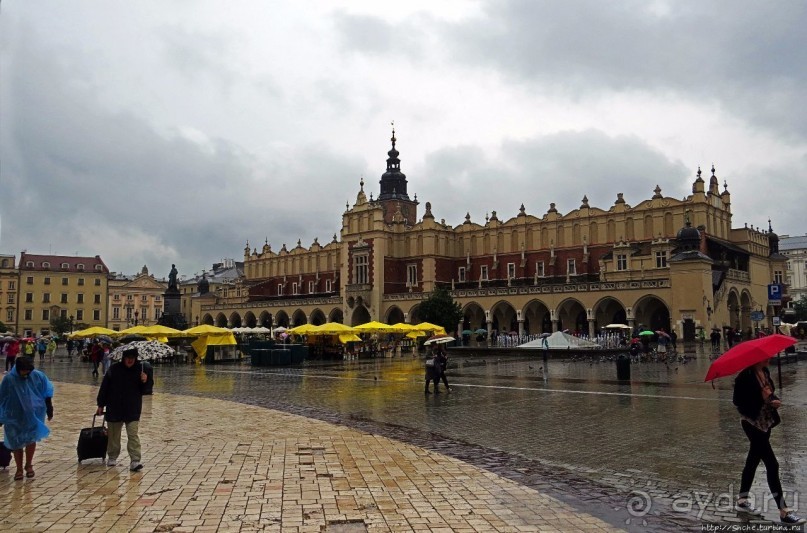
{"points": [[285, 303], [560, 288]]}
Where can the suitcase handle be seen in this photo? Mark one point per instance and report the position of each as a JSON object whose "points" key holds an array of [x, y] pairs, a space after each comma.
{"points": [[103, 419]]}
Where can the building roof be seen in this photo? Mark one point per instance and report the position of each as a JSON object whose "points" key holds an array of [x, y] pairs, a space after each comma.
{"points": [[792, 243], [62, 263]]}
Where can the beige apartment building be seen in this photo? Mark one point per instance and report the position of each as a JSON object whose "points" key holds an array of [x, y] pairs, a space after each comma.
{"points": [[662, 262], [135, 300], [53, 285], [9, 280]]}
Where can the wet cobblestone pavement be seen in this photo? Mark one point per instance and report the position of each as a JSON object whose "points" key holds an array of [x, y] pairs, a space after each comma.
{"points": [[661, 453]]}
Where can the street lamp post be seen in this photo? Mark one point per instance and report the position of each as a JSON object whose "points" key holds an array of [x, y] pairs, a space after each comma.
{"points": [[135, 313]]}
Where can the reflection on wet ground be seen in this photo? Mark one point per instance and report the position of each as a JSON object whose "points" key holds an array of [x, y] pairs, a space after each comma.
{"points": [[665, 431]]}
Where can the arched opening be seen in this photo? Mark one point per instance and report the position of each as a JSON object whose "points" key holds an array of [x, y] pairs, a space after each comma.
{"points": [[208, 319], [503, 317], [249, 320], [746, 302], [650, 312], [473, 317], [414, 317], [537, 318], [221, 320], [235, 320], [317, 317], [282, 319], [572, 316], [609, 310], [394, 315], [266, 319], [360, 316], [299, 318], [336, 315]]}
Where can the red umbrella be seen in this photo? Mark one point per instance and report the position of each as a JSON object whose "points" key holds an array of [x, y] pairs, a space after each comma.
{"points": [[748, 353]]}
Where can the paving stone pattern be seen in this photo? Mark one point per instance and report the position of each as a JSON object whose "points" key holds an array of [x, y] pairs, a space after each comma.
{"points": [[215, 465], [573, 433]]}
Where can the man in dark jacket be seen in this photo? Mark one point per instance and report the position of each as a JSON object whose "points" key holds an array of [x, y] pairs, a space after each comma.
{"points": [[121, 393]]}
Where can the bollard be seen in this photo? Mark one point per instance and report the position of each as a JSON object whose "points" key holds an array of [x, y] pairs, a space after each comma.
{"points": [[623, 368]]}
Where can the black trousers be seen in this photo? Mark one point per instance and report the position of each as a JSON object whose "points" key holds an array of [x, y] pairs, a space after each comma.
{"points": [[432, 375], [761, 450]]}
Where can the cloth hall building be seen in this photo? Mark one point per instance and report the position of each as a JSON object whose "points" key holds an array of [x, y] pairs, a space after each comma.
{"points": [[663, 263]]}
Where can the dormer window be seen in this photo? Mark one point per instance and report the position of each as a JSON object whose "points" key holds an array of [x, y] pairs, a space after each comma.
{"points": [[45, 264], [29, 264], [99, 268], [66, 266], [80, 266]]}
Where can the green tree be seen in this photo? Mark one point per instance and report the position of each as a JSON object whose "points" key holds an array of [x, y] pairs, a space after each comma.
{"points": [[801, 308], [441, 309], [3, 327], [59, 325]]}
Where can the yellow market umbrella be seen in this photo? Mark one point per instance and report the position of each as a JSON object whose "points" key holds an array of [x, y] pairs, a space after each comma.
{"points": [[349, 337], [92, 332], [430, 328], [415, 334], [205, 329], [374, 327], [160, 331], [302, 329], [332, 328], [134, 330]]}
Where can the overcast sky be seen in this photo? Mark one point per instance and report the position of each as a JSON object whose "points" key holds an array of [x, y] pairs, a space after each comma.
{"points": [[157, 132]]}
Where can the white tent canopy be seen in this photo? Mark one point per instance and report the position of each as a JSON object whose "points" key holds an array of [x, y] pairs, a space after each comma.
{"points": [[560, 341]]}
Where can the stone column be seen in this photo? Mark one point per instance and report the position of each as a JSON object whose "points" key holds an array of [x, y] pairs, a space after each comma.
{"points": [[590, 328], [490, 330], [521, 328]]}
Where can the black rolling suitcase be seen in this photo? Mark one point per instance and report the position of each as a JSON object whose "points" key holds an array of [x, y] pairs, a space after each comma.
{"points": [[5, 456], [92, 441]]}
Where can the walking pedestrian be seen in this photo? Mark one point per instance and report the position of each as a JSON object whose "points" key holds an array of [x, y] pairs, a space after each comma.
{"points": [[673, 340], [442, 358], [12, 350], [433, 372], [96, 356], [70, 347], [28, 348], [758, 407], [715, 338], [105, 359], [25, 400], [51, 349], [121, 393], [41, 348]]}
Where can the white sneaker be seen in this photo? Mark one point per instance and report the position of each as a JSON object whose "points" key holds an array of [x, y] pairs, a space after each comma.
{"points": [[111, 462], [136, 466]]}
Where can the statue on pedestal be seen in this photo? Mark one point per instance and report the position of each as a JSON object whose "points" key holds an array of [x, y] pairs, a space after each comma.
{"points": [[172, 278]]}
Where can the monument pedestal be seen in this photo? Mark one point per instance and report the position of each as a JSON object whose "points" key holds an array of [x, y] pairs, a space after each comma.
{"points": [[172, 316]]}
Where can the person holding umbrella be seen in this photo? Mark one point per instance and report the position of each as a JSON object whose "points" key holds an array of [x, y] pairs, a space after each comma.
{"points": [[121, 393], [755, 399]]}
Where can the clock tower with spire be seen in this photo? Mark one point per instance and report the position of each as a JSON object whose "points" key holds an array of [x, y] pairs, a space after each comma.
{"points": [[393, 196]]}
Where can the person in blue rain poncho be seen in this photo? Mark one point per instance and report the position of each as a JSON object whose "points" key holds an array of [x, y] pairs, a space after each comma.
{"points": [[25, 401]]}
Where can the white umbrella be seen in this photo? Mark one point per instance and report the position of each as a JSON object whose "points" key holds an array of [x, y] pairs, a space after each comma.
{"points": [[146, 351], [280, 329], [439, 339], [617, 326]]}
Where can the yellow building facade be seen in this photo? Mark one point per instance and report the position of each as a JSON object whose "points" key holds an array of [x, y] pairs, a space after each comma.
{"points": [[9, 282], [52, 285], [677, 264]]}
